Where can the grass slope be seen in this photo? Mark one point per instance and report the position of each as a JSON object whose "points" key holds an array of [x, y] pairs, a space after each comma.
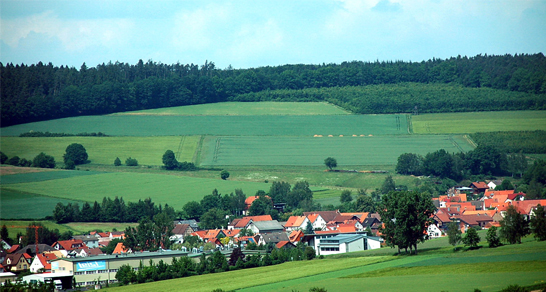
{"points": [[15, 205], [104, 150], [447, 123], [437, 268], [348, 150], [171, 189], [255, 125], [246, 108]]}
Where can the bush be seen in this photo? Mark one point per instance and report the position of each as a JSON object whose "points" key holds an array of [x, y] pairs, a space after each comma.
{"points": [[44, 161], [117, 161], [14, 161], [224, 174], [3, 157], [131, 162], [77, 153], [309, 253]]}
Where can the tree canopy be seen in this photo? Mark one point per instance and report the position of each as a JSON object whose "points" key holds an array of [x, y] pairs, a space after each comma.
{"points": [[76, 153], [330, 162]]}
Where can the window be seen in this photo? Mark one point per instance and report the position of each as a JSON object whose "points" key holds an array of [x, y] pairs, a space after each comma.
{"points": [[102, 271], [91, 272], [113, 270], [79, 273]]}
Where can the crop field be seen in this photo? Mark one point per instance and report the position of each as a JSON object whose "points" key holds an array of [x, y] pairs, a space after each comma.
{"points": [[257, 125], [447, 123], [103, 150], [75, 227], [15, 205], [348, 150], [485, 269], [174, 190], [246, 109]]}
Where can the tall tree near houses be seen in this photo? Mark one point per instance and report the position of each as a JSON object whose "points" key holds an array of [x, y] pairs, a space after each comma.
{"points": [[454, 233], [538, 223], [406, 215], [513, 226]]}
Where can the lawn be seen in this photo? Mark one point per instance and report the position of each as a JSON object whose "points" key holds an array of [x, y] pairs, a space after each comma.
{"points": [[247, 108], [486, 269], [447, 123], [348, 150], [104, 150], [171, 189], [255, 125]]}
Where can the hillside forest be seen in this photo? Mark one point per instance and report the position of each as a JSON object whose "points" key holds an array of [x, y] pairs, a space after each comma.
{"points": [[484, 82]]}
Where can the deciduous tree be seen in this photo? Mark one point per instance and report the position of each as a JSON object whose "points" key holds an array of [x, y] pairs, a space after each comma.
{"points": [[492, 237], [453, 233], [330, 162], [538, 223], [471, 238], [44, 161], [224, 174], [513, 226], [77, 153], [169, 160]]}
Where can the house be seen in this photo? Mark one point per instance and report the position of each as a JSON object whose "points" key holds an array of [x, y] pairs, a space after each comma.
{"points": [[373, 223], [361, 216], [341, 243], [31, 249], [478, 187], [327, 216], [317, 221], [274, 237], [295, 236], [468, 221], [68, 245], [42, 261], [94, 252], [180, 231], [193, 224], [17, 262], [243, 223], [297, 223], [285, 245], [120, 249], [494, 183], [433, 231], [271, 226], [90, 241], [14, 248], [441, 219], [213, 235]]}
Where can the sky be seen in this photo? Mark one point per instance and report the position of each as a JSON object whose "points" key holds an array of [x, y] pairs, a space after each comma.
{"points": [[247, 34]]}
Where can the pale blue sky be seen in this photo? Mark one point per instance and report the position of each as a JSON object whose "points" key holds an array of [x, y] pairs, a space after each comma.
{"points": [[266, 33]]}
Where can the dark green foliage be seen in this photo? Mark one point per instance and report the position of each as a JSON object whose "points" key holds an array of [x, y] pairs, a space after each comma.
{"points": [[318, 289], [3, 157], [33, 93], [486, 160], [439, 163], [538, 223], [513, 141], [193, 210], [505, 185], [345, 197], [44, 161], [513, 226], [69, 165], [309, 253], [409, 163], [213, 218], [492, 237], [330, 162], [454, 233], [14, 160], [364, 203], [25, 163], [169, 160], [515, 288], [301, 195], [4, 235], [224, 174], [151, 233], [117, 162], [131, 162], [471, 238], [9, 286], [309, 228], [261, 206], [279, 191], [388, 185], [77, 153], [45, 235], [405, 216], [535, 177], [236, 255], [126, 275]]}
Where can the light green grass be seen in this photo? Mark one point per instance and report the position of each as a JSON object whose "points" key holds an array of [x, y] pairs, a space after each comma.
{"points": [[348, 150], [247, 108], [171, 189], [446, 123], [256, 125], [104, 150], [85, 227], [16, 205], [12, 231]]}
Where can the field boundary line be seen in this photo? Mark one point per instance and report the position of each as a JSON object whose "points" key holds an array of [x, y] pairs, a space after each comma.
{"points": [[180, 146], [409, 121], [470, 141], [198, 150], [455, 144]]}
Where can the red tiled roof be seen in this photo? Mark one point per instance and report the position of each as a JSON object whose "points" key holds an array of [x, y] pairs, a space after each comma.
{"points": [[243, 222], [232, 233], [13, 248], [283, 243], [295, 221], [45, 259], [326, 215], [120, 248], [70, 244], [479, 185], [296, 235]]}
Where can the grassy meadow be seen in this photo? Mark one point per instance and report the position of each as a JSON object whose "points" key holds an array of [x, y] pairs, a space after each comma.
{"points": [[486, 269], [246, 109], [348, 150], [174, 190], [104, 150], [472, 122]]}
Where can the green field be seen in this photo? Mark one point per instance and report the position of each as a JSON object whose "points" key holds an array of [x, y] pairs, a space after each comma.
{"points": [[257, 125], [104, 150], [22, 205], [447, 123], [485, 269], [348, 150], [246, 109], [171, 189]]}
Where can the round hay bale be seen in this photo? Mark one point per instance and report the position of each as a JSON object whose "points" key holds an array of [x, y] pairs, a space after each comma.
{"points": [[330, 135]]}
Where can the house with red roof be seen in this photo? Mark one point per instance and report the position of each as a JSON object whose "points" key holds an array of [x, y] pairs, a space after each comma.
{"points": [[42, 261], [243, 223], [296, 223], [285, 244], [68, 245], [317, 221], [468, 221], [295, 236], [17, 262], [120, 248], [478, 187]]}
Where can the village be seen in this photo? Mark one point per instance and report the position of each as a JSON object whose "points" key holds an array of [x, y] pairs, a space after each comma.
{"points": [[80, 261]]}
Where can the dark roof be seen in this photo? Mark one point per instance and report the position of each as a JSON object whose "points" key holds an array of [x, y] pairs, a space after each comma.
{"points": [[41, 248], [265, 226], [182, 229], [368, 222], [275, 237], [326, 215]]}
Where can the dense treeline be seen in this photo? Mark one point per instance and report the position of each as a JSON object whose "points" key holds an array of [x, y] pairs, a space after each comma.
{"points": [[513, 141], [39, 91], [49, 134], [109, 211], [215, 263]]}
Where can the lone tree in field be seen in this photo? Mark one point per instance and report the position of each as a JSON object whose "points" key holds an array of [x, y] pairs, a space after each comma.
{"points": [[117, 161], [131, 162], [330, 162], [453, 233], [492, 237], [224, 174], [169, 160], [75, 152], [471, 238]]}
